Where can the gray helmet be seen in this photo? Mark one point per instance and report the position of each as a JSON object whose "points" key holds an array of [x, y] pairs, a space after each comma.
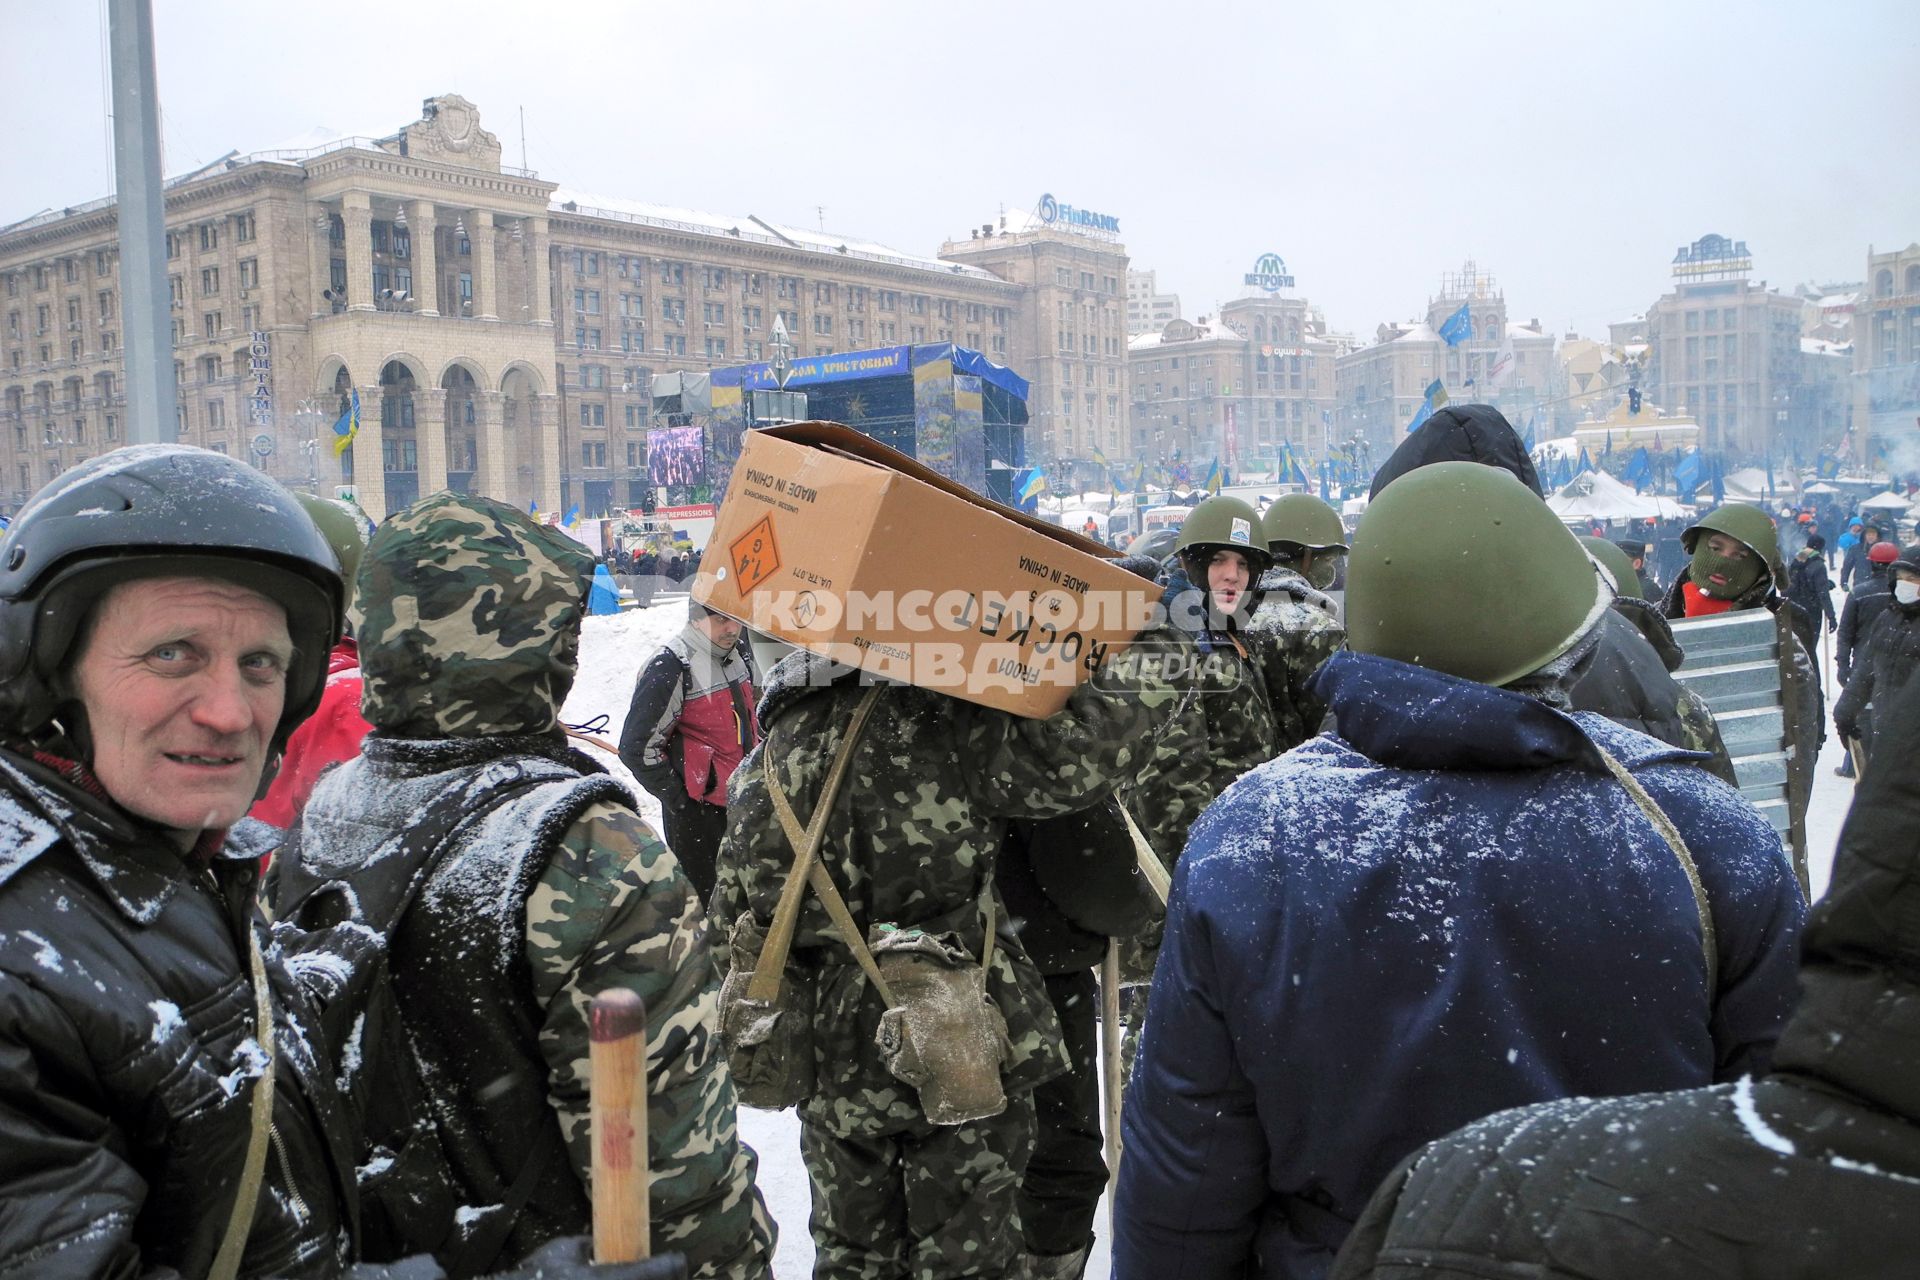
{"points": [[153, 511], [1439, 551]]}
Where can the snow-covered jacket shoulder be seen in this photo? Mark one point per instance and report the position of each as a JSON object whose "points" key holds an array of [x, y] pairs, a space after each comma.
{"points": [[1414, 921], [128, 1056]]}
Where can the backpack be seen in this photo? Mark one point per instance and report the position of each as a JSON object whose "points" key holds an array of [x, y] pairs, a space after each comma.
{"points": [[342, 929]]}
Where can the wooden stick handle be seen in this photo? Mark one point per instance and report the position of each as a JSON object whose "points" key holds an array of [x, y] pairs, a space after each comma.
{"points": [[617, 1061]]}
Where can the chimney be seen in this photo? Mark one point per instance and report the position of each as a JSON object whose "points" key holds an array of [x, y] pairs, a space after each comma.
{"points": [[986, 230]]}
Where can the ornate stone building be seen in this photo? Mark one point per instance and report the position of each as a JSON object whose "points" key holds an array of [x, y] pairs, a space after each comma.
{"points": [[499, 332]]}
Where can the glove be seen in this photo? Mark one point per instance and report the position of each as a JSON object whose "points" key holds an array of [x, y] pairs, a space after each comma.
{"points": [[1848, 732], [571, 1258], [1832, 626]]}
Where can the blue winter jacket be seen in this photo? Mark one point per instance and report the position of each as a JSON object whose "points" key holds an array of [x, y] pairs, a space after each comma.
{"points": [[1441, 909]]}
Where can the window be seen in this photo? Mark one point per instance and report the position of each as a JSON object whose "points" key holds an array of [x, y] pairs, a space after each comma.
{"points": [[889, 300], [674, 273], [593, 376], [917, 304], [593, 341], [716, 348], [856, 298], [466, 292], [633, 455], [113, 426], [243, 227], [786, 287], [106, 340], [103, 303], [216, 414], [822, 322], [210, 282], [822, 293], [751, 318], [917, 333], [673, 344], [210, 368], [399, 455], [593, 415], [592, 302], [714, 312], [249, 273], [209, 237], [857, 330], [791, 319], [593, 453], [751, 283], [210, 324], [715, 278], [674, 310], [633, 339], [593, 264]]}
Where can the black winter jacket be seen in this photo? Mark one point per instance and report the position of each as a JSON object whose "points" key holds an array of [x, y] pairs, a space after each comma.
{"points": [[1461, 433], [127, 1055], [1885, 666], [1811, 591], [1071, 883], [1811, 1172], [1864, 604]]}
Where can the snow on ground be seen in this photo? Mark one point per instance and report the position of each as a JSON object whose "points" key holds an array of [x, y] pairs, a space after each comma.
{"points": [[612, 651]]}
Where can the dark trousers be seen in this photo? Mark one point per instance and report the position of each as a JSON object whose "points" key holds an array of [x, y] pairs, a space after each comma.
{"points": [[1068, 1170], [694, 828]]}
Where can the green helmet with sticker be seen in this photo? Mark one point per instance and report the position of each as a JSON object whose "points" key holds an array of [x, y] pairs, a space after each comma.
{"points": [[1625, 581], [1304, 521], [1748, 525], [1221, 523], [1438, 561]]}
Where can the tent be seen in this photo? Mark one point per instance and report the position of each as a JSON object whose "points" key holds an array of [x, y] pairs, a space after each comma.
{"points": [[1595, 495], [1819, 488], [1888, 501]]}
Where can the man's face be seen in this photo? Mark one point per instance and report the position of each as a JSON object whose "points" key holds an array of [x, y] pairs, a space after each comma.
{"points": [[723, 631], [1228, 577], [1732, 548], [1871, 536], [183, 681]]}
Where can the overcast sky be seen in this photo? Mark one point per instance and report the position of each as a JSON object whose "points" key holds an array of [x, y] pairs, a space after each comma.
{"points": [[1568, 148]]}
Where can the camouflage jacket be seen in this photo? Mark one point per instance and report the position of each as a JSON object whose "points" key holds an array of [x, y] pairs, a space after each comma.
{"points": [[915, 831], [468, 650], [1293, 630], [1222, 725]]}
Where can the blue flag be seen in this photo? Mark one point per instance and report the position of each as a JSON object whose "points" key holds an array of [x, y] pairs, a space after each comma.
{"points": [[1688, 474], [1457, 328], [1529, 440], [533, 506], [1719, 481], [1586, 461], [1639, 469], [1326, 483]]}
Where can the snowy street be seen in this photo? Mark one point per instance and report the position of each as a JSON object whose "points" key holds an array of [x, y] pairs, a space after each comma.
{"points": [[612, 650]]}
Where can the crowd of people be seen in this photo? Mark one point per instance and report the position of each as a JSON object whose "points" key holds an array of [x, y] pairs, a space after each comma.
{"points": [[306, 891]]}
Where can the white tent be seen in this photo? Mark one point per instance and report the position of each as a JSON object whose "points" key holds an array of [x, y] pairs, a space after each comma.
{"points": [[1595, 495], [1820, 487], [1888, 501]]}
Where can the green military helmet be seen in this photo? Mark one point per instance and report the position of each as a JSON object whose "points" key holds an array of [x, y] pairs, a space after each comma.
{"points": [[1460, 568], [1305, 521], [1625, 581], [1223, 523], [345, 531], [1750, 525]]}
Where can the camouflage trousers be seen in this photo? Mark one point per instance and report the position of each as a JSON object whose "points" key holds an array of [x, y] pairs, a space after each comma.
{"points": [[933, 1202]]}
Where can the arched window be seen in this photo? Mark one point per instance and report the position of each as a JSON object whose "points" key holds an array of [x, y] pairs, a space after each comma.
{"points": [[1883, 285]]}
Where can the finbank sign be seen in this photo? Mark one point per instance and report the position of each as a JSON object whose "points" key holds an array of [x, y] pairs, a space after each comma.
{"points": [[1270, 273], [1068, 218]]}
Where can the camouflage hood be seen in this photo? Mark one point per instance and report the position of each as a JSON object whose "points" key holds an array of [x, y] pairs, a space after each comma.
{"points": [[472, 620]]}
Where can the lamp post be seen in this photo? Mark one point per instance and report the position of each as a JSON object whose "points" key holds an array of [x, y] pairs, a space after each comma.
{"points": [[308, 416]]}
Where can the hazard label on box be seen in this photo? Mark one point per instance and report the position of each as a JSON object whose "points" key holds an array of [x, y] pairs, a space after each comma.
{"points": [[756, 557]]}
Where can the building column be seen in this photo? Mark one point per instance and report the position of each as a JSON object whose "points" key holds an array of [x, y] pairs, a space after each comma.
{"points": [[369, 456], [542, 273], [321, 238], [490, 442], [545, 424], [422, 226], [430, 439], [480, 234], [356, 207]]}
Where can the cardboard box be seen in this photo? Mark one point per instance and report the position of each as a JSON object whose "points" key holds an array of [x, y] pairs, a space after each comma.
{"points": [[836, 543]]}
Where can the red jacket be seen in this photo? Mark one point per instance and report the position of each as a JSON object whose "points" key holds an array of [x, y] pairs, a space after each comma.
{"points": [[331, 735]]}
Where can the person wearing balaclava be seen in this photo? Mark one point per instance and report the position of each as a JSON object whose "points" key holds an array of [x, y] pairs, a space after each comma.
{"points": [[1733, 565], [1884, 664]]}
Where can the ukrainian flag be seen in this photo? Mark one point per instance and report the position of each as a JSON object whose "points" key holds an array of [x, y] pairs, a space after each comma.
{"points": [[1212, 484], [348, 425], [1034, 485]]}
